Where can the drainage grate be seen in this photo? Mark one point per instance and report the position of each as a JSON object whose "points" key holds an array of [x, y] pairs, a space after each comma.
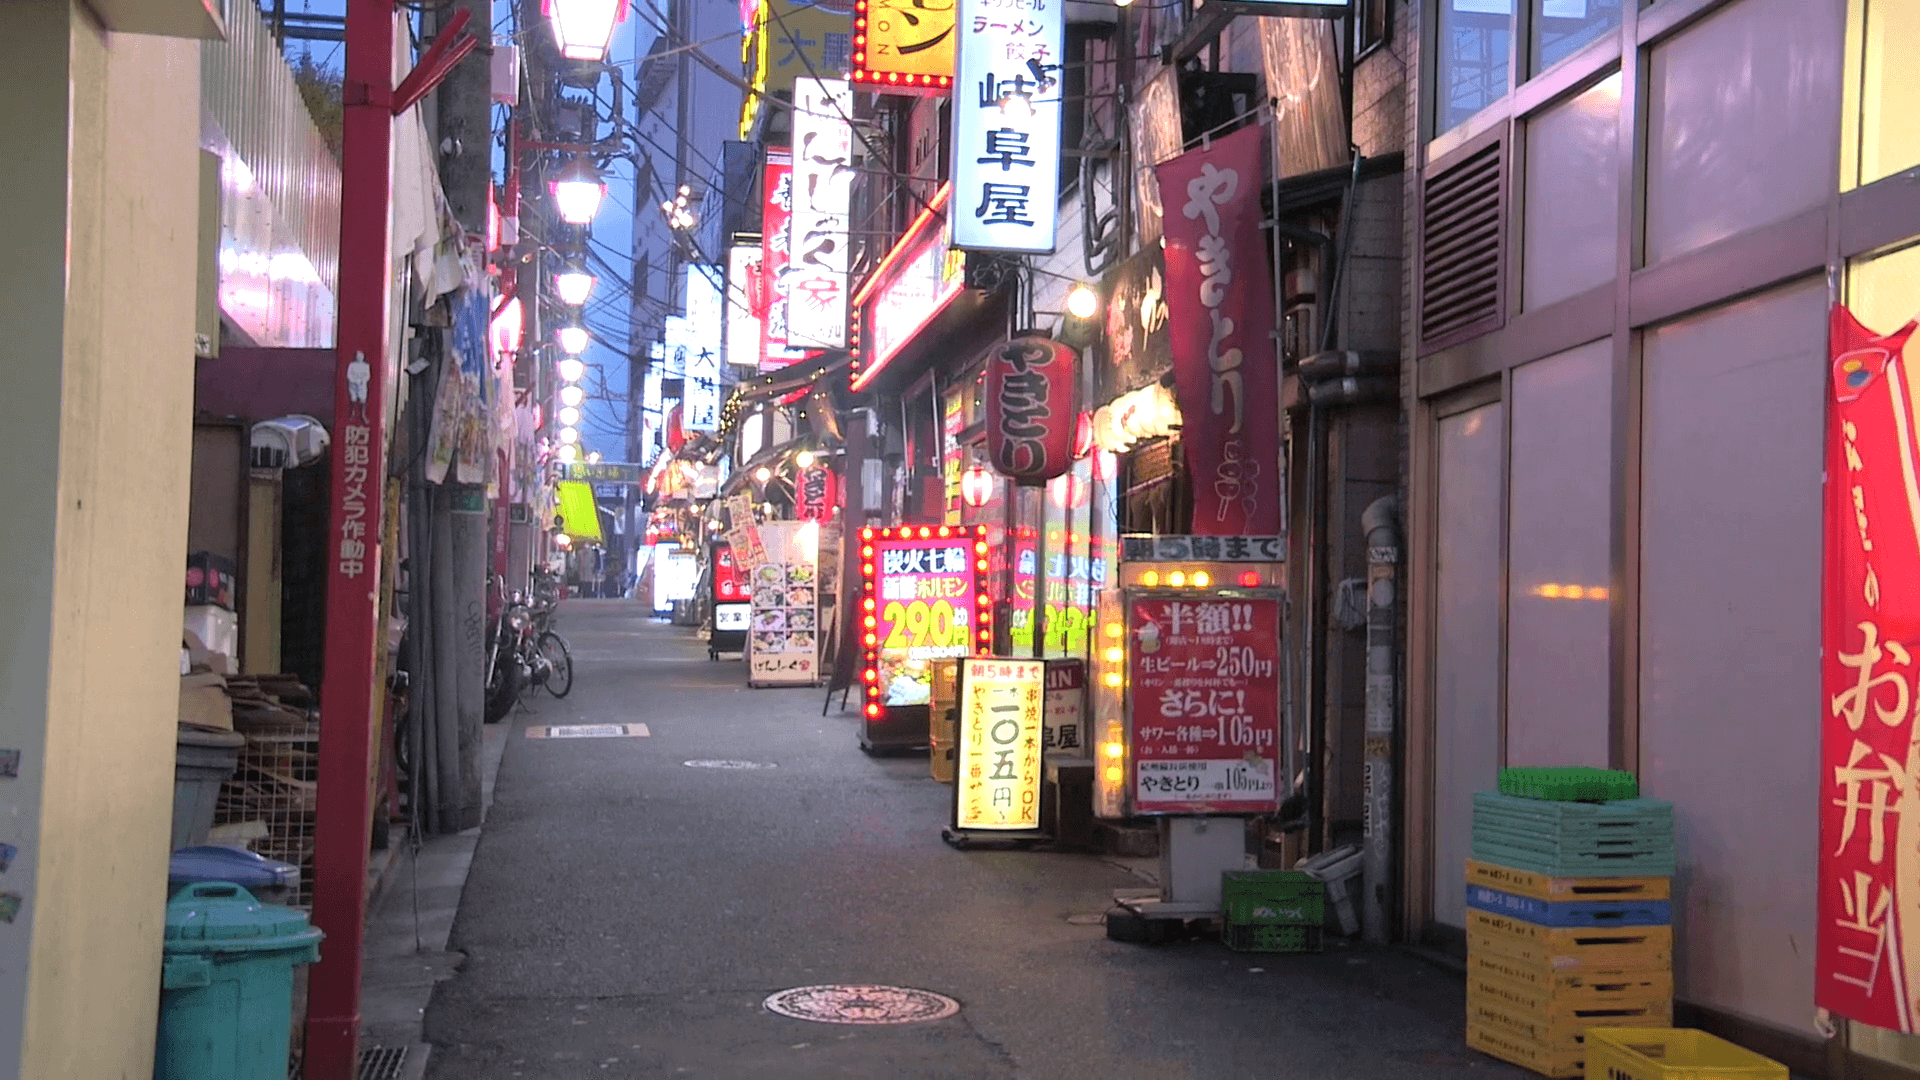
{"points": [[376, 1063], [382, 1062], [844, 1004]]}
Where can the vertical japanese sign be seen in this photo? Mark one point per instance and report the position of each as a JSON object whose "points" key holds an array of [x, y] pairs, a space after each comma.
{"points": [[999, 744], [924, 601], [822, 190], [1066, 707], [1006, 124], [702, 329], [1869, 901], [816, 493], [1203, 703], [904, 46], [783, 642], [776, 213], [743, 323], [1220, 305]]}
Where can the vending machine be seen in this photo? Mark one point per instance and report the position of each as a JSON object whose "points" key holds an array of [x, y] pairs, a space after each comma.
{"points": [[1189, 705]]}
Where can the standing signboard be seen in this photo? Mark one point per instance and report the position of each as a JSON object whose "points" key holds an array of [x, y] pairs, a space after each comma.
{"points": [[998, 787], [783, 636], [1868, 942], [1203, 701], [731, 603], [1066, 711], [925, 598]]}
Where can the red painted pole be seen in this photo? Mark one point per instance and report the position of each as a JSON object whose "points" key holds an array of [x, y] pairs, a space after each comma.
{"points": [[344, 815]]}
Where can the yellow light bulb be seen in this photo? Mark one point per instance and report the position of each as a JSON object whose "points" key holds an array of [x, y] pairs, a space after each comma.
{"points": [[1113, 749], [1115, 774], [1115, 655], [1150, 578], [1176, 579], [1113, 679], [1201, 579], [1114, 629]]}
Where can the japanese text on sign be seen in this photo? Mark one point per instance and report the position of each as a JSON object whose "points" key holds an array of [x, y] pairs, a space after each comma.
{"points": [[1204, 703], [1006, 126], [356, 454], [783, 639], [817, 230], [999, 744], [1867, 952], [925, 603]]}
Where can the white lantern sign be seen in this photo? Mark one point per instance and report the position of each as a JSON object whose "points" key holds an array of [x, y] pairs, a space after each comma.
{"points": [[817, 232], [1006, 125]]}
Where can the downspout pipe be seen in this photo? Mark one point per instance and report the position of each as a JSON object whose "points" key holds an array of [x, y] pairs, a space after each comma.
{"points": [[1381, 520]]}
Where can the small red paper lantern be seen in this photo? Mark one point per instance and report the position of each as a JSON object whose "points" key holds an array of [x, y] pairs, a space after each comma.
{"points": [[976, 486], [1031, 408]]}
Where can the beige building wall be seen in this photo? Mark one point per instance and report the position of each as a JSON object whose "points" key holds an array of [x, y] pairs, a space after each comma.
{"points": [[97, 296]]}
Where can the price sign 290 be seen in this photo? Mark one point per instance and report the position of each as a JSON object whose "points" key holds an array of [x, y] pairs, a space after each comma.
{"points": [[924, 625]]}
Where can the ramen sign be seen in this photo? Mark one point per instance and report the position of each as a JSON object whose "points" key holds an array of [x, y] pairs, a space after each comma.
{"points": [[1031, 408]]}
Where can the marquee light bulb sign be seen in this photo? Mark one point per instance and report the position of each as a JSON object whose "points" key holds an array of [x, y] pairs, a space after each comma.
{"points": [[925, 598]]}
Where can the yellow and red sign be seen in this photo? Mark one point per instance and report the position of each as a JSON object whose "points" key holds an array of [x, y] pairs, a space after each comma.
{"points": [[925, 599], [1001, 725], [1868, 942], [904, 46]]}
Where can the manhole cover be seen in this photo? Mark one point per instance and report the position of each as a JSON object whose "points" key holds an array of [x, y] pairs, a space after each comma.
{"points": [[862, 1004], [719, 764]]}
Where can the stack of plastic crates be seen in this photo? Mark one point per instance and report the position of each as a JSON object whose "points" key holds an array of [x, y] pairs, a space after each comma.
{"points": [[1569, 915], [1272, 910]]}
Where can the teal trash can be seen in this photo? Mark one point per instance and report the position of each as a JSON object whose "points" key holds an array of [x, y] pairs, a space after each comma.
{"points": [[226, 999]]}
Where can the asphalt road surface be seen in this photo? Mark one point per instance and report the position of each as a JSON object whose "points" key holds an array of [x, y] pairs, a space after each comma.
{"points": [[628, 914]]}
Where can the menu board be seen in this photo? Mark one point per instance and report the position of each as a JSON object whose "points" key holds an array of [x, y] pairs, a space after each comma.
{"points": [[1000, 731], [1066, 707], [1203, 702], [783, 633], [924, 605]]}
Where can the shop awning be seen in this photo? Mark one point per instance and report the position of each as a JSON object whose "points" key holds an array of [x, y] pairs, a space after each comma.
{"points": [[781, 383]]}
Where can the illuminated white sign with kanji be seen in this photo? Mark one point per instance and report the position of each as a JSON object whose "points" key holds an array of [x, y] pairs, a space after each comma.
{"points": [[702, 329], [1006, 125], [743, 325], [817, 231]]}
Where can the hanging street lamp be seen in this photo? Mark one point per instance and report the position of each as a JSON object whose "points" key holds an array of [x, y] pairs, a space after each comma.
{"points": [[568, 415], [573, 285], [572, 396], [572, 369], [569, 436], [577, 191], [573, 340], [583, 29]]}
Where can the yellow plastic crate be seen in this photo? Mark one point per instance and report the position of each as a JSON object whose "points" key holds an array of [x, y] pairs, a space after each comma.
{"points": [[1545, 1060], [1612, 948], [1560, 890], [1576, 990], [1563, 1028], [1673, 1054]]}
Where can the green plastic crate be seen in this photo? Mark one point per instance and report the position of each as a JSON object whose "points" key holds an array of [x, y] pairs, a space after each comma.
{"points": [[1272, 898], [1569, 783], [1272, 938]]}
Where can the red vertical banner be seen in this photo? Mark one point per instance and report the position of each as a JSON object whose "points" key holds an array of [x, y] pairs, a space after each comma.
{"points": [[1869, 933], [1220, 309], [776, 211]]}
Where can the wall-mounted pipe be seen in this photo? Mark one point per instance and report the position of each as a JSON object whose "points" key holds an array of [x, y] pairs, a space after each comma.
{"points": [[1381, 522]]}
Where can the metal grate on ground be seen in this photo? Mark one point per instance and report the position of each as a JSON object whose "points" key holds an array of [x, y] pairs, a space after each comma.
{"points": [[376, 1063]]}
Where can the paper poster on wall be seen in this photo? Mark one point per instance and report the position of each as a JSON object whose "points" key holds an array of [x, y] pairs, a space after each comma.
{"points": [[783, 635], [999, 744]]}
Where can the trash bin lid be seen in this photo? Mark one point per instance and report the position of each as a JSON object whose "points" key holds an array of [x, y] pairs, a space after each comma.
{"points": [[219, 916], [217, 862]]}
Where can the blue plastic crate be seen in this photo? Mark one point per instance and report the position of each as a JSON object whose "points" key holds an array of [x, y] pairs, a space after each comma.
{"points": [[1571, 912]]}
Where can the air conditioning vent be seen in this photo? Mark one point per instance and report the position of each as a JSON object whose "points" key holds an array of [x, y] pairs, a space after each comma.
{"points": [[1461, 271]]}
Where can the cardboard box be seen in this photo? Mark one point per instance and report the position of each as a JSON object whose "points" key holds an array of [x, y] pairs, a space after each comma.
{"points": [[204, 701]]}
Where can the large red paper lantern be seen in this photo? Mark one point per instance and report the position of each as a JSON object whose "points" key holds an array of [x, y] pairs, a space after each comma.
{"points": [[1031, 408]]}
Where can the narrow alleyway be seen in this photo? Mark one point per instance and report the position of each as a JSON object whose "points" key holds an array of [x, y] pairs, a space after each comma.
{"points": [[627, 914]]}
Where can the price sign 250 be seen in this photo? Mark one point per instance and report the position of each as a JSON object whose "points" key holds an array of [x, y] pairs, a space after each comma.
{"points": [[921, 624]]}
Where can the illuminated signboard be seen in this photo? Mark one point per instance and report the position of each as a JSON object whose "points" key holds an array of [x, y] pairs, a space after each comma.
{"points": [[702, 329], [822, 193], [1006, 125], [743, 324], [783, 643], [793, 39], [904, 46], [925, 598], [999, 744], [771, 294], [910, 286], [1203, 690]]}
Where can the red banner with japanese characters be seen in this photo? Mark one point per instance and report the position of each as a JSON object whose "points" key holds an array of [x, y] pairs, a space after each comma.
{"points": [[1220, 310], [770, 298], [1204, 703], [1869, 933]]}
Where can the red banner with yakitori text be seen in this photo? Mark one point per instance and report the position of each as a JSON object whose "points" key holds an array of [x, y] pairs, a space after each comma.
{"points": [[1868, 943]]}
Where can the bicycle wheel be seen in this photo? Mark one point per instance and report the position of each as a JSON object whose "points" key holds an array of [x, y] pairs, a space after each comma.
{"points": [[560, 679]]}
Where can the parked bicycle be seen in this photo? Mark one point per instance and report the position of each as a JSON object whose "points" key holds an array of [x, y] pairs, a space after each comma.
{"points": [[524, 651]]}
